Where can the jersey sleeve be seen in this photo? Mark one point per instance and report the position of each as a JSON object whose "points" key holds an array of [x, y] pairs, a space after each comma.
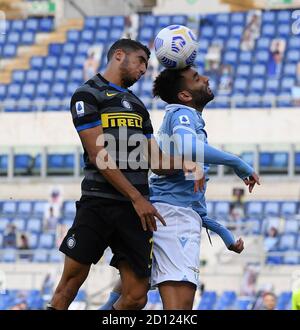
{"points": [[85, 111], [147, 126], [183, 119]]}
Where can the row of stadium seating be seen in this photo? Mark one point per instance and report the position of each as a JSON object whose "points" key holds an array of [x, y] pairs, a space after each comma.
{"points": [[57, 75], [210, 300], [269, 162], [11, 208], [34, 299], [22, 32]]}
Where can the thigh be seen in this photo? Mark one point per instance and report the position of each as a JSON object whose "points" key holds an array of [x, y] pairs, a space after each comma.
{"points": [[88, 237], [176, 251], [132, 284], [177, 295], [130, 242]]}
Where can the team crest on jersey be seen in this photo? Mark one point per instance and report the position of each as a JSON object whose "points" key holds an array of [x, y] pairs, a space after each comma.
{"points": [[71, 242], [126, 104], [185, 120], [79, 106]]}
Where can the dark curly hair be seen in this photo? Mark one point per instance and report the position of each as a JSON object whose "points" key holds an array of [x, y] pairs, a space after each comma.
{"points": [[168, 84]]}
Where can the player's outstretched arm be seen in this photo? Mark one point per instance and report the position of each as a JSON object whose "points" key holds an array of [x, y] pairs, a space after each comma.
{"points": [[225, 234]]}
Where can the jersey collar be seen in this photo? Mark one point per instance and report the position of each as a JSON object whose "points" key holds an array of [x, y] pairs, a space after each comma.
{"points": [[119, 88]]}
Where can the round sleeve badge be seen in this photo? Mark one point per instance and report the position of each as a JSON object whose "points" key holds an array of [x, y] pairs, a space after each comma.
{"points": [[71, 242]]}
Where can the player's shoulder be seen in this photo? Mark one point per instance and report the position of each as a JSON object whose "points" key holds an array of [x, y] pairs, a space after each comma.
{"points": [[182, 114]]}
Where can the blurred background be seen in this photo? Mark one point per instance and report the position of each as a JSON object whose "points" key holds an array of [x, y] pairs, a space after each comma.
{"points": [[251, 52]]}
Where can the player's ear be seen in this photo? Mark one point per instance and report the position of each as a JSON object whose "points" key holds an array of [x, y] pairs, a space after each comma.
{"points": [[184, 96], [119, 55]]}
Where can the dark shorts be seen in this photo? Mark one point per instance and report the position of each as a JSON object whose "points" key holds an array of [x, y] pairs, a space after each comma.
{"points": [[101, 222]]}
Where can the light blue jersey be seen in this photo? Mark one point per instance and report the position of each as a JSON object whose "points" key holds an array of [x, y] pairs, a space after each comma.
{"points": [[176, 189]]}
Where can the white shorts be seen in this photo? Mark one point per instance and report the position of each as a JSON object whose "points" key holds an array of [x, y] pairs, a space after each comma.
{"points": [[176, 249]]}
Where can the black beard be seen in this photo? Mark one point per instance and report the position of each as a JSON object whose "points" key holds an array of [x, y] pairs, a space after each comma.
{"points": [[201, 99], [126, 80]]}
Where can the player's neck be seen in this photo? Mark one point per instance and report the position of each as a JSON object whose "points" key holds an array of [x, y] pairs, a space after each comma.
{"points": [[113, 77], [192, 105]]}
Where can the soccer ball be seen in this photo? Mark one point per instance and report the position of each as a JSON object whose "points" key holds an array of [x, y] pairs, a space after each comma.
{"points": [[176, 47]]}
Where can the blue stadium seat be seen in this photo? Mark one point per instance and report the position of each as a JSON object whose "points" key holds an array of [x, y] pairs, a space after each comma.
{"points": [[40, 256], [163, 20], [22, 164], [207, 32], [272, 209], [254, 209], [257, 84], [46, 24], [24, 208], [3, 91], [147, 20], [236, 31], [226, 300], [14, 90], [115, 34], [283, 30], [3, 164], [262, 56], [3, 223], [146, 33], [65, 62], [288, 209], [293, 42], [272, 85], [222, 19], [292, 55], [230, 57], [104, 21], [243, 303], [284, 16], [254, 225], [46, 241], [42, 90], [58, 90], [28, 91], [258, 70], [55, 256], [179, 19], [33, 240], [34, 225], [284, 300], [55, 49], [233, 44], [20, 224], [240, 85], [268, 30], [291, 258], [263, 43], [17, 25], [9, 208], [31, 25], [51, 62], [13, 38], [87, 36], [79, 62], [222, 31], [221, 209], [69, 209], [238, 18], [101, 35], [118, 21], [245, 57], [61, 76], [74, 36], [291, 226], [39, 207], [32, 76], [207, 301], [28, 38], [265, 160], [9, 255], [268, 17], [287, 242], [37, 62], [90, 23]]}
